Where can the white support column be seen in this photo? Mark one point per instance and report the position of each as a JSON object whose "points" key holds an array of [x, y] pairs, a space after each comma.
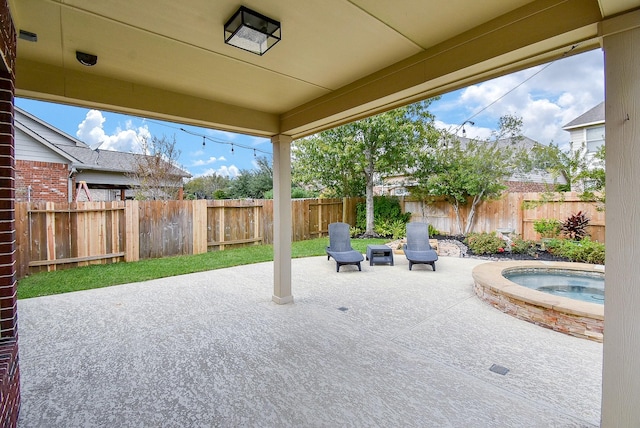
{"points": [[282, 219], [621, 369]]}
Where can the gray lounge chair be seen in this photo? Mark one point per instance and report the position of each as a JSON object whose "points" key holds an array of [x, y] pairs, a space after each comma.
{"points": [[417, 249], [340, 247]]}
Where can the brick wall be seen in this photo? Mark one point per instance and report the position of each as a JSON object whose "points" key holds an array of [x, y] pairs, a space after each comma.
{"points": [[48, 181], [9, 369], [524, 187], [9, 383]]}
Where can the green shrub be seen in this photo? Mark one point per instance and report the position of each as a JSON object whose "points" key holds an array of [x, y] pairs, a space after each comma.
{"points": [[394, 228], [547, 227], [220, 194], [386, 209], [553, 244], [521, 246], [433, 231], [299, 193], [296, 193], [586, 250], [485, 243]]}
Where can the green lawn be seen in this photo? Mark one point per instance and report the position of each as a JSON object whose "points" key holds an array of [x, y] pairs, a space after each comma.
{"points": [[96, 276]]}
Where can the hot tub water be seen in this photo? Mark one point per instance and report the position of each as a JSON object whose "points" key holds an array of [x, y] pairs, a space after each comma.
{"points": [[571, 284]]}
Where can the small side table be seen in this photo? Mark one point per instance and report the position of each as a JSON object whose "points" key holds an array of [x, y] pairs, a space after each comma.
{"points": [[379, 254]]}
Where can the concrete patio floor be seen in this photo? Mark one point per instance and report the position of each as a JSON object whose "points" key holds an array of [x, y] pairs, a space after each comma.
{"points": [[385, 347]]}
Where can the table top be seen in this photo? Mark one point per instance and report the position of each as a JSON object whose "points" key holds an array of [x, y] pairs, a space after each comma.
{"points": [[378, 247]]}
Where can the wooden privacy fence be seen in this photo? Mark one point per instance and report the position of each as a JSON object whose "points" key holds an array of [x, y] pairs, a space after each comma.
{"points": [[52, 236], [515, 211]]}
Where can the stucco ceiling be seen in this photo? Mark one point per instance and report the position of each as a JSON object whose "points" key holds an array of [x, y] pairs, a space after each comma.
{"points": [[338, 60]]}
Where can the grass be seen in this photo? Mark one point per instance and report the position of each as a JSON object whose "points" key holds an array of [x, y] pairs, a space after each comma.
{"points": [[97, 276]]}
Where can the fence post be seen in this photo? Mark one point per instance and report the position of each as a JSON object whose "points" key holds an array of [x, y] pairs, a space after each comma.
{"points": [[50, 220], [132, 231], [221, 225], [344, 210], [256, 222], [199, 226]]}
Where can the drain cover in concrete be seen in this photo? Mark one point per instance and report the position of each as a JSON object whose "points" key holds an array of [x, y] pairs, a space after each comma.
{"points": [[499, 369], [343, 309]]}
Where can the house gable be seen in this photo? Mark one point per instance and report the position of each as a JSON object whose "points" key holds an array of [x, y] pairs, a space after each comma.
{"points": [[29, 149], [588, 129], [41, 148]]}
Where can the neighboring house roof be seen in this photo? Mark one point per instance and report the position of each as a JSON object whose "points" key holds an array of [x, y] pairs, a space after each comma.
{"points": [[595, 116], [79, 154], [523, 142]]}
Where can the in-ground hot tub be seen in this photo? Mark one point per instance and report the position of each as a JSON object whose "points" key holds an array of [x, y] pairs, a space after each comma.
{"points": [[574, 317]]}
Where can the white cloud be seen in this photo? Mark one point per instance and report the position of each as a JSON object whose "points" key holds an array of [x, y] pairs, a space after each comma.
{"points": [[224, 171], [203, 162], [228, 171], [546, 101], [91, 131]]}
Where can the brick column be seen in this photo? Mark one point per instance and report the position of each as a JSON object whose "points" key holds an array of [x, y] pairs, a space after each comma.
{"points": [[9, 369], [7, 211]]}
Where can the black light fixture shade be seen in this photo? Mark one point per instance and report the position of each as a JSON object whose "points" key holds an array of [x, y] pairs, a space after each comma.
{"points": [[251, 31]]}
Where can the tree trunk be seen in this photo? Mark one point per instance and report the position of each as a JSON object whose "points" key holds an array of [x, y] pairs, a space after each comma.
{"points": [[472, 212], [369, 169], [456, 209], [369, 204]]}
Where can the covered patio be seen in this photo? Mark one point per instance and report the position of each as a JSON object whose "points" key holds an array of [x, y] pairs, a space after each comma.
{"points": [[382, 347], [338, 61]]}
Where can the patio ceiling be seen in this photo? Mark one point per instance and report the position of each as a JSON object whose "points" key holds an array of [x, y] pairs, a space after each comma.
{"points": [[338, 60]]}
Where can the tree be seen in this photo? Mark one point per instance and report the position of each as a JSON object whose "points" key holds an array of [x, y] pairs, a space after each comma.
{"points": [[594, 179], [582, 171], [253, 183], [207, 186], [156, 171], [470, 172], [345, 161]]}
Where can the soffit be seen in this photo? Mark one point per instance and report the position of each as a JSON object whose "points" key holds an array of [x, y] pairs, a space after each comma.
{"points": [[167, 59]]}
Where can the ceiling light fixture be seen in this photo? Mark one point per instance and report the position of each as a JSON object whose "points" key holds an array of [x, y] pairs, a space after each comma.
{"points": [[251, 31], [86, 59]]}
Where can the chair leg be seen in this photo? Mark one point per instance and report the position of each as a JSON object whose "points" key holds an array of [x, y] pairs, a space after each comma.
{"points": [[433, 265], [337, 267], [359, 268], [410, 265]]}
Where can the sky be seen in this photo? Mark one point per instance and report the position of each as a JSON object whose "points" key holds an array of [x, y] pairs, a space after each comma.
{"points": [[546, 97]]}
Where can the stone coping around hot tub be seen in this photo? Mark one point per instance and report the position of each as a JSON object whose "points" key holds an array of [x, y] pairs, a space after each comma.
{"points": [[490, 276]]}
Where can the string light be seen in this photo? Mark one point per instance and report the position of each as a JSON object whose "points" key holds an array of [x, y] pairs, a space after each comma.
{"points": [[464, 131], [233, 145]]}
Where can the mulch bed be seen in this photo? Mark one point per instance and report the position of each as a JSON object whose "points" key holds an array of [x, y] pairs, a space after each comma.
{"points": [[507, 255]]}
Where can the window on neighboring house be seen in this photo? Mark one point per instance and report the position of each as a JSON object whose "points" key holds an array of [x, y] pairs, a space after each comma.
{"points": [[595, 138], [400, 191]]}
